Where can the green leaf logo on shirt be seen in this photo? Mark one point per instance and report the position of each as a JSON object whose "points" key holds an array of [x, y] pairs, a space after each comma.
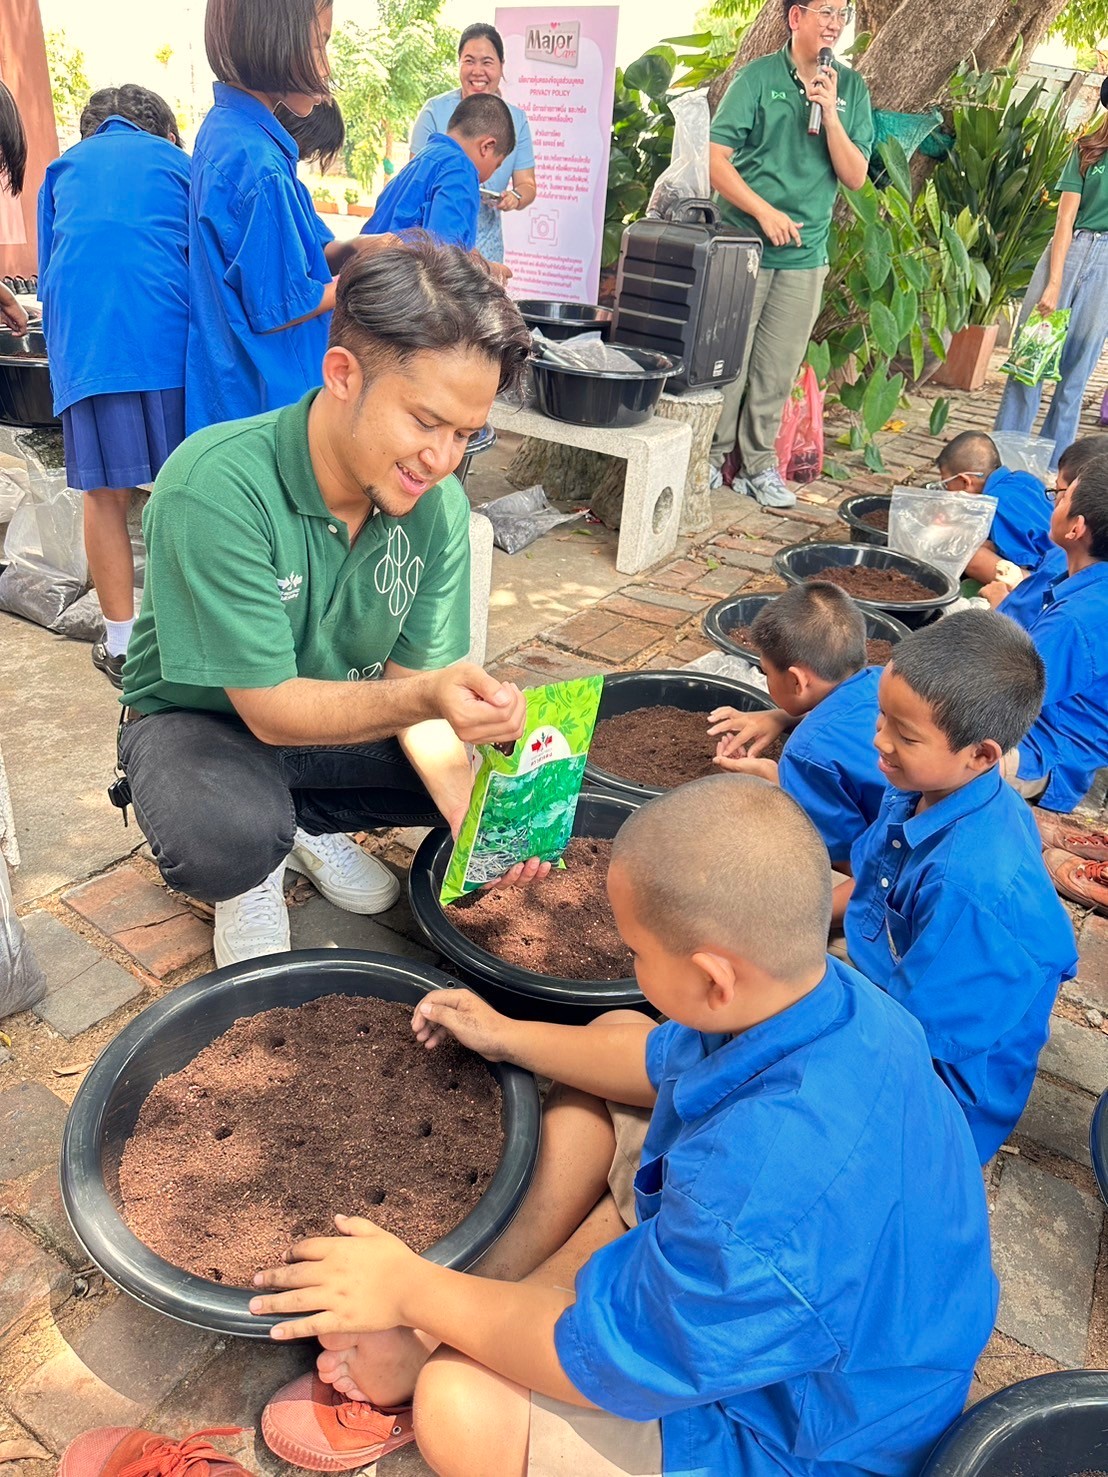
{"points": [[290, 587], [782, 97], [397, 572]]}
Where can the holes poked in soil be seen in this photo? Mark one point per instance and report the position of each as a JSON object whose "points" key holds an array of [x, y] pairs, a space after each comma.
{"points": [[473, 1176], [425, 1129], [277, 1042], [323, 1136], [866, 583], [661, 747]]}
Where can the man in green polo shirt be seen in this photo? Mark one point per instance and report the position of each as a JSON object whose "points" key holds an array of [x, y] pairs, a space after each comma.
{"points": [[774, 179], [296, 671]]}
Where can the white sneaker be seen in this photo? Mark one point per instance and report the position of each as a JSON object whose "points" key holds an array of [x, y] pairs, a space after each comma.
{"points": [[345, 874], [770, 490], [254, 923]]}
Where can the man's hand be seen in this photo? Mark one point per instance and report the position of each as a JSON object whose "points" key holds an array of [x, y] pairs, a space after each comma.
{"points": [[764, 769], [350, 1283], [500, 272], [824, 89], [778, 228], [748, 734], [995, 592], [13, 314], [466, 1017], [478, 708]]}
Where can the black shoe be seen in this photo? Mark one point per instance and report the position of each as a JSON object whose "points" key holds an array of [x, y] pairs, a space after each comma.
{"points": [[111, 666]]}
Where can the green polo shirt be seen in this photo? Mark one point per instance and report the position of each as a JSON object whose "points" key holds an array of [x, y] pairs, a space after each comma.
{"points": [[250, 581], [763, 120], [1092, 213]]}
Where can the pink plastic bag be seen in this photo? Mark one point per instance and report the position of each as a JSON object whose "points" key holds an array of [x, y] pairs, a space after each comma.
{"points": [[799, 443]]}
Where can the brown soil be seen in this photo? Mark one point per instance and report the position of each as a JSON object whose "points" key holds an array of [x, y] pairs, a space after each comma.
{"points": [[865, 583], [878, 652], [662, 747], [296, 1114], [562, 926], [879, 518]]}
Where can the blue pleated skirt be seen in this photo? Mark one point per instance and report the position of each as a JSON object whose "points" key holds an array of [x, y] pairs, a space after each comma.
{"points": [[121, 440]]}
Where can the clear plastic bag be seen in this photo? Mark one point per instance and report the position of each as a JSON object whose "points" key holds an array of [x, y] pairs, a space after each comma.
{"points": [[688, 174], [519, 518], [1036, 354], [799, 443], [22, 982], [586, 351], [942, 528], [1024, 453]]}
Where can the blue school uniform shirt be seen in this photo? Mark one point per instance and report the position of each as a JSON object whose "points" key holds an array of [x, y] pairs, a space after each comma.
{"points": [[1025, 602], [809, 1284], [954, 914], [438, 190], [829, 763], [113, 264], [1021, 524], [1069, 739], [256, 262]]}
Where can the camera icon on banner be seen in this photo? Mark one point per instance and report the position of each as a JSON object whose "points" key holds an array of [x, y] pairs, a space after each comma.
{"points": [[543, 228]]}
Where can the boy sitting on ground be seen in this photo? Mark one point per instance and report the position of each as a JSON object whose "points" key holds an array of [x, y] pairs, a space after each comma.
{"points": [[812, 644], [800, 1281], [950, 908], [1020, 532]]}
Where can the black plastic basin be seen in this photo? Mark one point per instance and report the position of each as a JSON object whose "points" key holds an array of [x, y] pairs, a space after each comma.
{"points": [[803, 561], [26, 396], [482, 440], [696, 692], [1050, 1426], [606, 398], [1098, 1144], [725, 616], [519, 992], [565, 320], [852, 510], [168, 1035]]}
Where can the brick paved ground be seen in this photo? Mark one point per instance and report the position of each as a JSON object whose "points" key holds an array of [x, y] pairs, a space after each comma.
{"points": [[75, 1353]]}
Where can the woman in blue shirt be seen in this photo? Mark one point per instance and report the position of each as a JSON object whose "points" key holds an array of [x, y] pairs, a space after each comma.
{"points": [[481, 70], [113, 279]]}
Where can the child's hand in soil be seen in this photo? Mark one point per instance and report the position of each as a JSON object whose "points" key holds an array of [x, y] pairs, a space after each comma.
{"points": [[350, 1283], [765, 769], [463, 1015], [747, 734]]}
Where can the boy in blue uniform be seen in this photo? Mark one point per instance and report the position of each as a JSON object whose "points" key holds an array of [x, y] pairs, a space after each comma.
{"points": [[789, 1288], [1020, 531], [812, 644], [439, 189], [950, 908]]}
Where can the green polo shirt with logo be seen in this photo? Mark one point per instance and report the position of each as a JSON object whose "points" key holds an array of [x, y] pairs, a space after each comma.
{"points": [[250, 581], [1092, 213], [763, 120]]}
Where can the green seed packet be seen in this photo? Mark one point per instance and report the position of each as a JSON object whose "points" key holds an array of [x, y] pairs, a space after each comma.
{"points": [[524, 802], [1036, 355]]}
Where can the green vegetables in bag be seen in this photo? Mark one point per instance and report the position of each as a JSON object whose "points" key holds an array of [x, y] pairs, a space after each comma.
{"points": [[1036, 354], [523, 803]]}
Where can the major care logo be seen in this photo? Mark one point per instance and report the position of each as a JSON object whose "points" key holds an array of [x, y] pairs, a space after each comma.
{"points": [[553, 41]]}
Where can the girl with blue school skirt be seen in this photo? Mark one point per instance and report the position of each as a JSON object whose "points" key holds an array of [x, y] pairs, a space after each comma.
{"points": [[113, 279]]}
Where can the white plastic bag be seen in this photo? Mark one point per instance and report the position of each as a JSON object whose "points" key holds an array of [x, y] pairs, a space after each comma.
{"points": [[688, 174], [44, 547], [22, 982], [1022, 453], [942, 528]]}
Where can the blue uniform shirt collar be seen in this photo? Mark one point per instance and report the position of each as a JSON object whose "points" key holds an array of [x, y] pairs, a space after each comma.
{"points": [[738, 1060], [243, 102], [916, 829], [1064, 585], [114, 123]]}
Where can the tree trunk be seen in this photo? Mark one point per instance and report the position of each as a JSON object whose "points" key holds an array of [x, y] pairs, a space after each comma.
{"points": [[1023, 20], [871, 15], [765, 33], [909, 64], [572, 475]]}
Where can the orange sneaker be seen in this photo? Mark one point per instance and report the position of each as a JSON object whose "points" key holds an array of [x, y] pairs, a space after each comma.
{"points": [[1083, 881], [309, 1424], [1068, 833], [126, 1451]]}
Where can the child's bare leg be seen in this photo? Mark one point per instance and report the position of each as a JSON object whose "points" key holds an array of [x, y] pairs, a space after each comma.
{"points": [[108, 550]]}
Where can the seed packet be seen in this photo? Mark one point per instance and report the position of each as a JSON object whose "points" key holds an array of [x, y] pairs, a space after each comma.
{"points": [[524, 801], [1036, 354]]}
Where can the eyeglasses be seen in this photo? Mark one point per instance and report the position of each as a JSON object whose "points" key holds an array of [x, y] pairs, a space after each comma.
{"points": [[941, 484], [1056, 494], [831, 13]]}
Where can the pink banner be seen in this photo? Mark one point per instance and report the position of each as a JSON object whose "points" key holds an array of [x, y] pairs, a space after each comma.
{"points": [[559, 68]]}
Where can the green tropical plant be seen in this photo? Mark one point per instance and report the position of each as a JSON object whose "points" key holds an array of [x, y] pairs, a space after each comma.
{"points": [[69, 84], [351, 196], [322, 195]]}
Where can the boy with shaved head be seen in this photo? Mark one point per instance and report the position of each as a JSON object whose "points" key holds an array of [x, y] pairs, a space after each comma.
{"points": [[756, 1239], [1020, 532]]}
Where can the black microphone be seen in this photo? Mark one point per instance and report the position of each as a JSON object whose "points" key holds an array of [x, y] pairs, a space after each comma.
{"points": [[815, 112]]}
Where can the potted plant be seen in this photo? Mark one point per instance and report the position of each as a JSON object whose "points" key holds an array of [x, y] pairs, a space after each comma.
{"points": [[325, 202], [355, 205]]}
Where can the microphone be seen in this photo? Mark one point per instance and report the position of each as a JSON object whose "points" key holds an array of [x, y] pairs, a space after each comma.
{"points": [[815, 112]]}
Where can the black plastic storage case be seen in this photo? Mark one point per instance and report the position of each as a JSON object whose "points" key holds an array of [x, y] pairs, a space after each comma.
{"points": [[686, 287]]}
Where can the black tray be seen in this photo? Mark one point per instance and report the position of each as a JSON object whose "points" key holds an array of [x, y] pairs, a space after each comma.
{"points": [[802, 561], [1043, 1427], [741, 610]]}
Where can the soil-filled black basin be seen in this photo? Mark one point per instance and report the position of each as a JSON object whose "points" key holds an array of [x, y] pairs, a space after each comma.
{"points": [[26, 397], [167, 1036], [804, 561], [556, 320], [853, 510], [1050, 1426], [519, 992], [725, 616], [696, 692], [606, 398]]}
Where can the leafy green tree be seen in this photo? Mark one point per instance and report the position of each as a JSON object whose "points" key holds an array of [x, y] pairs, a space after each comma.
{"points": [[69, 84]]}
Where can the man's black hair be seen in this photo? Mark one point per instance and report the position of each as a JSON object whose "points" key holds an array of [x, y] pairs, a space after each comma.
{"points": [[969, 451], [482, 31], [814, 625], [485, 116], [1089, 500], [418, 296], [265, 45], [1080, 453], [980, 675], [320, 136], [786, 7], [149, 110], [13, 143]]}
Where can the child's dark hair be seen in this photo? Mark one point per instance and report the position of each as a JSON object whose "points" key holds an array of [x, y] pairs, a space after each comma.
{"points": [[418, 296], [481, 31], [320, 136], [484, 116], [138, 105], [814, 625], [13, 143], [980, 675], [1080, 453], [969, 451], [1089, 500], [265, 45]]}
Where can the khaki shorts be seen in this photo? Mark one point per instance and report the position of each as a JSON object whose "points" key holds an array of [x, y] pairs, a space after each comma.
{"points": [[1029, 789], [568, 1440]]}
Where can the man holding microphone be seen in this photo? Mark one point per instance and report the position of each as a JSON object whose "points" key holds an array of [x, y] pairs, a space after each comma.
{"points": [[792, 126]]}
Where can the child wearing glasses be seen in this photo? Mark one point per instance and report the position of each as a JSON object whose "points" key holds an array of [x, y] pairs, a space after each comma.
{"points": [[1020, 533]]}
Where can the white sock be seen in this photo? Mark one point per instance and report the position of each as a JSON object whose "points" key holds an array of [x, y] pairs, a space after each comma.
{"points": [[119, 633]]}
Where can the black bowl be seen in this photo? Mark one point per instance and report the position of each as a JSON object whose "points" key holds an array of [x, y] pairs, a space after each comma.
{"points": [[611, 399], [520, 992], [851, 511], [565, 320], [168, 1035], [697, 692], [803, 561], [720, 619], [1042, 1427], [1098, 1144], [26, 396]]}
